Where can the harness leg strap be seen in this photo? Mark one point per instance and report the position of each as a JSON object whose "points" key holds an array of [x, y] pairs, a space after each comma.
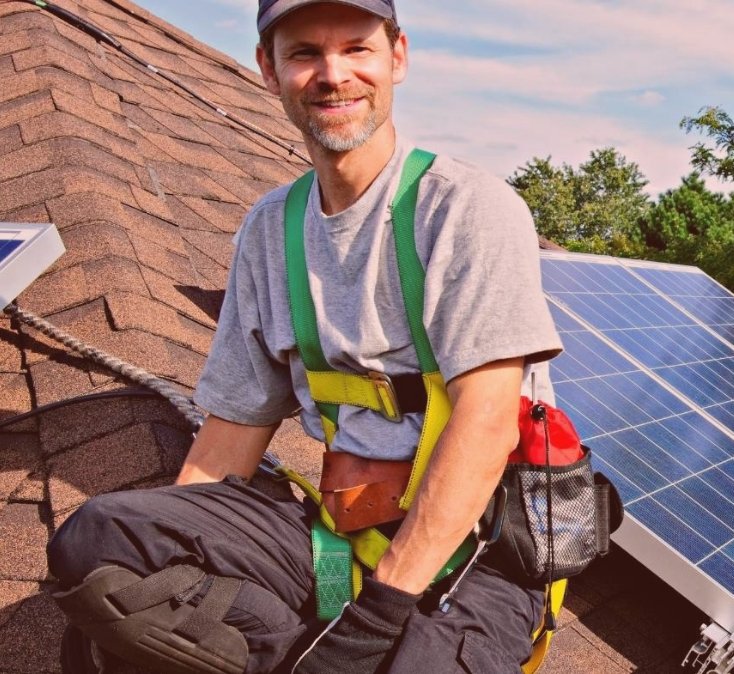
{"points": [[149, 622]]}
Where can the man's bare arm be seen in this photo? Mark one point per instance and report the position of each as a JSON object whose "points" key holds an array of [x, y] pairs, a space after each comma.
{"points": [[223, 448], [463, 473]]}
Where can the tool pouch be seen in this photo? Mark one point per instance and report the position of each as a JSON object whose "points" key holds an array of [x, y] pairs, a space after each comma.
{"points": [[562, 539]]}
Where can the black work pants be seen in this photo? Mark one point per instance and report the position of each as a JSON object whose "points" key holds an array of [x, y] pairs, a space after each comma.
{"points": [[230, 529]]}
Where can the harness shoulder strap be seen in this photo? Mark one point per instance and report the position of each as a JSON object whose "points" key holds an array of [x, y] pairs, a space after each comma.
{"points": [[303, 311], [412, 274]]}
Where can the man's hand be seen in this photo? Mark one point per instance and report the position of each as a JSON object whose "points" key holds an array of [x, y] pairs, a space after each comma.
{"points": [[364, 635], [225, 448]]}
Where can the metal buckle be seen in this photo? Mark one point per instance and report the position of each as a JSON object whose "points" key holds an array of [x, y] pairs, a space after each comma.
{"points": [[270, 466], [385, 389]]}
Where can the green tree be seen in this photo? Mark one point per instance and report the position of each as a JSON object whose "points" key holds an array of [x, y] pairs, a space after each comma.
{"points": [[548, 192], [596, 208], [693, 225], [716, 160]]}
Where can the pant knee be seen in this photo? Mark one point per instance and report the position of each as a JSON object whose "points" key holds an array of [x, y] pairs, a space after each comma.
{"points": [[79, 546]]}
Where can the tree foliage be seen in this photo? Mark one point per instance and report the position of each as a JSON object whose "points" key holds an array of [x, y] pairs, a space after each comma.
{"points": [[693, 225], [595, 208], [601, 206], [716, 160]]}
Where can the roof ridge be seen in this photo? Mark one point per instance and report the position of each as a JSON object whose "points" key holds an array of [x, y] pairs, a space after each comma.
{"points": [[182, 37]]}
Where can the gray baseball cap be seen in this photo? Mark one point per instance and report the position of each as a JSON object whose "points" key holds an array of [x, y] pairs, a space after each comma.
{"points": [[271, 11]]}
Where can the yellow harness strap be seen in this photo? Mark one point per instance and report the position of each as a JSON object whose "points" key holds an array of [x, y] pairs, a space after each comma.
{"points": [[542, 637], [368, 544], [438, 411], [342, 388]]}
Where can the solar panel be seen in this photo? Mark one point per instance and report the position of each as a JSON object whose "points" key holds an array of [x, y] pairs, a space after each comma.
{"points": [[698, 294], [26, 251], [645, 382]]}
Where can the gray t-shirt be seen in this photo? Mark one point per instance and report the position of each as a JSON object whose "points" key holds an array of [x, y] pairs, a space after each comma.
{"points": [[483, 301]]}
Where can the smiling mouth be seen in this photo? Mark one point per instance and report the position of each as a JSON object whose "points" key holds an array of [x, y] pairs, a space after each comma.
{"points": [[342, 103]]}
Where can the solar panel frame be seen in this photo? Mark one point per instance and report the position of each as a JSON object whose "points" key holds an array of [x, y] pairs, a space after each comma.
{"points": [[650, 548], [26, 251]]}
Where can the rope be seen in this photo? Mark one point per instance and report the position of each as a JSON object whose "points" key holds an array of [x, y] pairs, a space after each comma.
{"points": [[181, 402]]}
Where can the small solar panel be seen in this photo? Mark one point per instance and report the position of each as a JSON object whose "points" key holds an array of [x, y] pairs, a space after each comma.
{"points": [[644, 382], [26, 251]]}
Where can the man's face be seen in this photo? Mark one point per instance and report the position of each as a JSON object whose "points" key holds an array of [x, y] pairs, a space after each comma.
{"points": [[334, 70]]}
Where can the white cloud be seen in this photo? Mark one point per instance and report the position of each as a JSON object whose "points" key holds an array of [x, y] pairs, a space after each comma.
{"points": [[228, 24], [473, 76], [699, 30], [515, 79], [591, 46], [649, 99]]}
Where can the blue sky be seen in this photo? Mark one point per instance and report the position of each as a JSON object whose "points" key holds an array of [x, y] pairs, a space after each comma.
{"points": [[497, 82]]}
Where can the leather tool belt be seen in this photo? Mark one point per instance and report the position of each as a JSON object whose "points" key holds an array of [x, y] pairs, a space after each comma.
{"points": [[360, 493]]}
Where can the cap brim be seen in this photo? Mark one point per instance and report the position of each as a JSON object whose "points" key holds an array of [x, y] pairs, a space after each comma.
{"points": [[283, 7]]}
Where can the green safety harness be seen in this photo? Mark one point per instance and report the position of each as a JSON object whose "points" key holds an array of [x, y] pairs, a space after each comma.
{"points": [[333, 552], [336, 555]]}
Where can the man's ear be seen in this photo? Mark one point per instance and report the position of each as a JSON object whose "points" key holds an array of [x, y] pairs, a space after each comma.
{"points": [[267, 69], [400, 59]]}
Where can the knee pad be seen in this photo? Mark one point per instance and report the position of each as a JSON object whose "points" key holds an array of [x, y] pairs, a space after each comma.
{"points": [[79, 654], [149, 621]]}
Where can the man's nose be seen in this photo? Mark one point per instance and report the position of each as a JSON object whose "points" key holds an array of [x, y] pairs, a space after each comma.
{"points": [[333, 71]]}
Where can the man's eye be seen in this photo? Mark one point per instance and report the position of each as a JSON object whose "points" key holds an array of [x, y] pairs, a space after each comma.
{"points": [[303, 53]]}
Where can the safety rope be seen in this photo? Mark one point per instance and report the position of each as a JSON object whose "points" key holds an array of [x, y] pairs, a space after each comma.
{"points": [[136, 374], [98, 34]]}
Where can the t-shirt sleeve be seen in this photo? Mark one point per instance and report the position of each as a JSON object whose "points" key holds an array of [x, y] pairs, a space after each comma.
{"points": [[484, 300], [241, 380]]}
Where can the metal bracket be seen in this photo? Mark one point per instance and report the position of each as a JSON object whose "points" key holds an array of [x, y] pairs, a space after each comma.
{"points": [[713, 653]]}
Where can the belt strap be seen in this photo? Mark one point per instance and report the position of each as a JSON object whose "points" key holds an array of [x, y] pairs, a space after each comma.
{"points": [[374, 391], [410, 267], [303, 311], [157, 588], [332, 564]]}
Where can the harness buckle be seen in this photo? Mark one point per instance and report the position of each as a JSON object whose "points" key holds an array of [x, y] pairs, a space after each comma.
{"points": [[386, 395], [271, 466]]}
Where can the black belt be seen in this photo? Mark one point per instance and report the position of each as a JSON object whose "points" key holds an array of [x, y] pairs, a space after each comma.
{"points": [[410, 392]]}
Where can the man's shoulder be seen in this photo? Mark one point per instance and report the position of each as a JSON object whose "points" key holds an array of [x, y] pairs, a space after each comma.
{"points": [[458, 181], [272, 200], [265, 216], [266, 213]]}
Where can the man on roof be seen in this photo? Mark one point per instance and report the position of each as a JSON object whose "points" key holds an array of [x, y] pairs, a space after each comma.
{"points": [[211, 575]]}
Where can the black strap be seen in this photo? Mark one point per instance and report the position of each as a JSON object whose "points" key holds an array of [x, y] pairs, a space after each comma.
{"points": [[157, 588], [211, 610], [410, 392]]}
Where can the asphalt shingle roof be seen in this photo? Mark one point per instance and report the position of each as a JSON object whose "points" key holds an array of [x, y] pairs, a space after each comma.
{"points": [[147, 186]]}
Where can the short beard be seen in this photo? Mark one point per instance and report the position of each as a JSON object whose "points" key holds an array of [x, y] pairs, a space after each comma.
{"points": [[335, 142]]}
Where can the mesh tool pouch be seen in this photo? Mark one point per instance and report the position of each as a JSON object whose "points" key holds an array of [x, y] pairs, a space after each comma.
{"points": [[543, 542], [580, 518]]}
